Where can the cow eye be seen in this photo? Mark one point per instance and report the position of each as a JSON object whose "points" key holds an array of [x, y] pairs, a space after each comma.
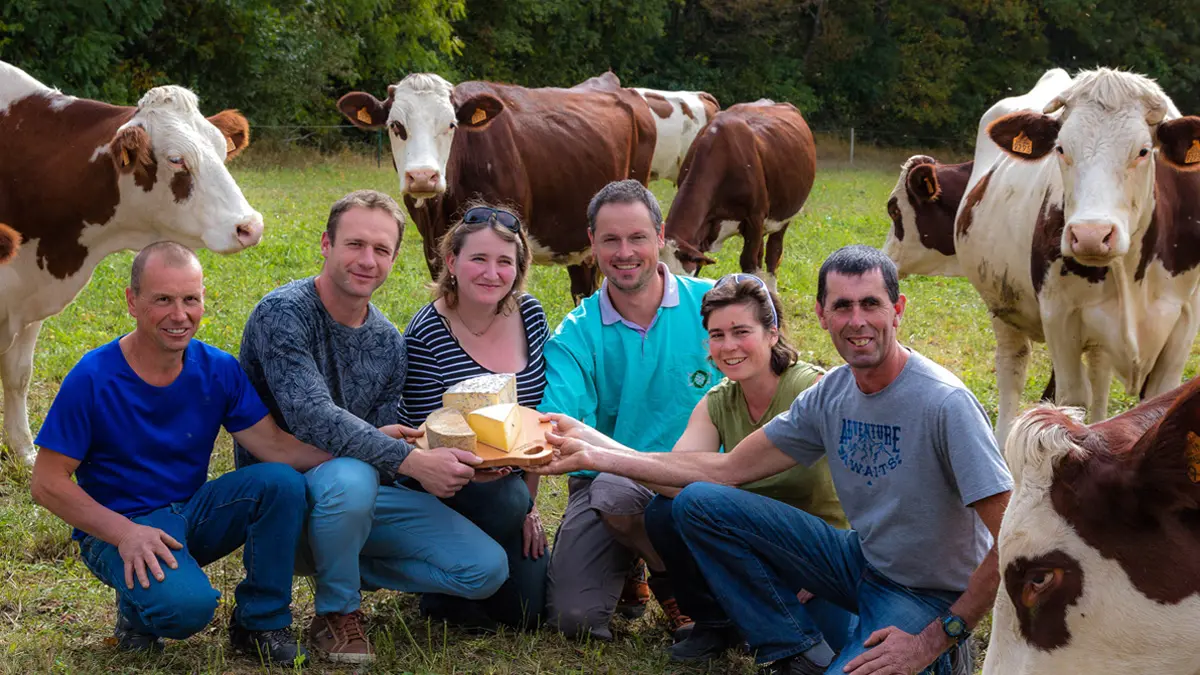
{"points": [[1039, 582], [453, 126], [1058, 149], [1042, 580], [175, 161], [398, 129], [1144, 152]]}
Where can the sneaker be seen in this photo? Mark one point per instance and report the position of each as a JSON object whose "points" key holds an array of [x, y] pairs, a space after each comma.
{"points": [[678, 623], [341, 638], [277, 646], [705, 643], [129, 639], [636, 593], [792, 665]]}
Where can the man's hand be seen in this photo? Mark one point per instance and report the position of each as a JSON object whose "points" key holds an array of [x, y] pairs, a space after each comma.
{"points": [[895, 652], [533, 536], [569, 427], [441, 471], [141, 548], [399, 431], [570, 454]]}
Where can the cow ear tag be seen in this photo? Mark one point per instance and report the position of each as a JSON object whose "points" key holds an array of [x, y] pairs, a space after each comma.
{"points": [[1193, 153], [363, 116], [932, 190], [479, 116], [229, 147], [1193, 457], [124, 157], [1022, 144]]}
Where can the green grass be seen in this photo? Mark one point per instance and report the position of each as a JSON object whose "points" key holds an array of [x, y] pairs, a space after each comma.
{"points": [[54, 617]]}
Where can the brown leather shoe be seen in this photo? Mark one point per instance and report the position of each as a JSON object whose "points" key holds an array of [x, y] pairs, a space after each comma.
{"points": [[341, 638], [679, 624], [636, 592]]}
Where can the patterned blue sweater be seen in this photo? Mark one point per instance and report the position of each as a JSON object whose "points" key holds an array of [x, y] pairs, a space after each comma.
{"points": [[327, 384]]}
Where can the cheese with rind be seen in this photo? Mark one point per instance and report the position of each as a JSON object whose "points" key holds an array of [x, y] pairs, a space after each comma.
{"points": [[481, 392], [448, 428], [497, 425]]}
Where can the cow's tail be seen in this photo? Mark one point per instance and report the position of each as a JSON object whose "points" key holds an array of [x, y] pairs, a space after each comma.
{"points": [[10, 242]]}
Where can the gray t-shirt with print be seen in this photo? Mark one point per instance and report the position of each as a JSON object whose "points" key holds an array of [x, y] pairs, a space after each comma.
{"points": [[906, 461]]}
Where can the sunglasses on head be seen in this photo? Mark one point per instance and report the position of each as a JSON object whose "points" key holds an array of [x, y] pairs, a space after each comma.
{"points": [[485, 214], [739, 277]]}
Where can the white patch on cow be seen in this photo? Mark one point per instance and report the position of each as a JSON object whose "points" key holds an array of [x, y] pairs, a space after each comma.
{"points": [[676, 132], [421, 103], [727, 229], [61, 101], [16, 84], [1114, 628], [544, 255], [668, 254]]}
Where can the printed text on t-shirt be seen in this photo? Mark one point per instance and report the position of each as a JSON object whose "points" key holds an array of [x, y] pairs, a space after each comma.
{"points": [[870, 450]]}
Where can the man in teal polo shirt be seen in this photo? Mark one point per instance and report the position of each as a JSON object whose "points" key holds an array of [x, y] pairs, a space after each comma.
{"points": [[631, 362]]}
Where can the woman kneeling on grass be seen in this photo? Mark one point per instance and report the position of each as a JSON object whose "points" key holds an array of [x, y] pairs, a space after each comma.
{"points": [[481, 321], [763, 376]]}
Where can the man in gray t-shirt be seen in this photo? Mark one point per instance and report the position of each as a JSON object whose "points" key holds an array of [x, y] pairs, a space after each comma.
{"points": [[917, 471]]}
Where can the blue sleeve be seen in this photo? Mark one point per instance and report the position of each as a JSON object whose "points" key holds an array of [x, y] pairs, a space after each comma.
{"points": [[67, 428], [797, 430], [243, 407], [570, 374]]}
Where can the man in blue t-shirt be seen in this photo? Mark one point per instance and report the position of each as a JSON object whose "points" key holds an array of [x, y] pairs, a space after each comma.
{"points": [[135, 421]]}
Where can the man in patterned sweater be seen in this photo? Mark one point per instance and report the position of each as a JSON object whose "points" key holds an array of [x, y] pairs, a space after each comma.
{"points": [[330, 368]]}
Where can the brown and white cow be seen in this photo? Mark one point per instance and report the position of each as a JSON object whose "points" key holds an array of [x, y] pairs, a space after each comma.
{"points": [[749, 173], [922, 207], [1100, 544], [81, 179], [542, 152], [1085, 233], [10, 243]]}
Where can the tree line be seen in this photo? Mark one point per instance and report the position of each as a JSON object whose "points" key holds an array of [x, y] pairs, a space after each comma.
{"points": [[894, 69]]}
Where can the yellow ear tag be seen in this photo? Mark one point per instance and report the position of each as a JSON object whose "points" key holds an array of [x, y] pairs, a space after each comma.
{"points": [[1193, 457], [229, 146], [479, 116], [1193, 153], [929, 186], [124, 157], [363, 116], [1022, 144]]}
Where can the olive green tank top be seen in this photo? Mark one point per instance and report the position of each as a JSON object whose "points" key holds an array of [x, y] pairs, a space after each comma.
{"points": [[809, 489]]}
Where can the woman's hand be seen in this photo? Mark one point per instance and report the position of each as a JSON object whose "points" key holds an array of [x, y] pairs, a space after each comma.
{"points": [[569, 427], [534, 535]]}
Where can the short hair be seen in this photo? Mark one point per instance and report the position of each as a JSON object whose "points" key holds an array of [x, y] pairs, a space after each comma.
{"points": [[172, 254], [367, 199], [627, 191], [452, 243], [856, 260], [767, 310]]}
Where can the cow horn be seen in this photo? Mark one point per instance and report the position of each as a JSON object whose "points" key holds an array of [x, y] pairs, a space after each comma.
{"points": [[1054, 104]]}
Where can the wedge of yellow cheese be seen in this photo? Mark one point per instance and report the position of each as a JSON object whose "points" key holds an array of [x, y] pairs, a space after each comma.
{"points": [[497, 425], [448, 428], [481, 392]]}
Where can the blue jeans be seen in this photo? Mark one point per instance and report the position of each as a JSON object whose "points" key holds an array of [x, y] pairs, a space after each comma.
{"points": [[364, 536], [261, 507], [818, 617], [756, 553]]}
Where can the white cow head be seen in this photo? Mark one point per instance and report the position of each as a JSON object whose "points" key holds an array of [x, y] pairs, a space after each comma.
{"points": [[170, 161], [421, 114], [1105, 141], [1098, 547], [921, 238]]}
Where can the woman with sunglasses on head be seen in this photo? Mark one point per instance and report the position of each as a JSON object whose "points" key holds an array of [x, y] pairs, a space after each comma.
{"points": [[763, 375], [480, 322]]}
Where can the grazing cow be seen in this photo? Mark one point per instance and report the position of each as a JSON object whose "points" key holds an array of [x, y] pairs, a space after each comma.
{"points": [[1085, 234], [922, 206], [81, 179], [542, 152], [1100, 544], [748, 173], [10, 243]]}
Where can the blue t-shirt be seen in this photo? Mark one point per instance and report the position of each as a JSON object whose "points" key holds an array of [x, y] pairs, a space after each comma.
{"points": [[142, 447]]}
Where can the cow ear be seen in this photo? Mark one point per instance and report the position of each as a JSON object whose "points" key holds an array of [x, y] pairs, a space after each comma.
{"points": [[363, 110], [1168, 455], [130, 149], [10, 242], [236, 130], [923, 183], [1179, 143], [478, 111], [1025, 134]]}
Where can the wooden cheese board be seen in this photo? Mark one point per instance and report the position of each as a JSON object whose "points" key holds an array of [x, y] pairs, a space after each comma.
{"points": [[531, 448]]}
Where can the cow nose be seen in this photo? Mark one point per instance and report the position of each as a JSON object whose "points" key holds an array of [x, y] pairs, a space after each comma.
{"points": [[249, 231], [422, 180], [1091, 240]]}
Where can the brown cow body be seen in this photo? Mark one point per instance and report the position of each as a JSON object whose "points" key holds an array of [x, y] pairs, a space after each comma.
{"points": [[749, 172], [541, 152]]}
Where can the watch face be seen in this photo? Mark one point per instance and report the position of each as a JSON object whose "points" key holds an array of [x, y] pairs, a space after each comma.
{"points": [[954, 626]]}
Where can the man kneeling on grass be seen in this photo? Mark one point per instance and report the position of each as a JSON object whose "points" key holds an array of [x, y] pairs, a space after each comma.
{"points": [[135, 420]]}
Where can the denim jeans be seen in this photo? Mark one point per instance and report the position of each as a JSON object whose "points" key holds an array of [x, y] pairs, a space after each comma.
{"points": [[261, 507], [364, 536], [756, 553], [818, 617]]}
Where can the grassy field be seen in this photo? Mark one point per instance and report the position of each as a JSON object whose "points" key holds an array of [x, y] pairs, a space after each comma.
{"points": [[54, 617]]}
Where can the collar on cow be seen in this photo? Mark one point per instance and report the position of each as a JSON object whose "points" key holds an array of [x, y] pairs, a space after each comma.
{"points": [[609, 314]]}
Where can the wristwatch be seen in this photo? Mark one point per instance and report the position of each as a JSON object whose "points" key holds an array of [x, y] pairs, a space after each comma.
{"points": [[955, 627]]}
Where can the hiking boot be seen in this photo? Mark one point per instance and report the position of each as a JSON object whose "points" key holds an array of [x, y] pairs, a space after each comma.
{"points": [[792, 665], [275, 646], [678, 623], [129, 639], [636, 593], [340, 638], [705, 643]]}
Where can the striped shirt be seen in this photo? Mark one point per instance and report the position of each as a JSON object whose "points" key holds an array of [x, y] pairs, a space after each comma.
{"points": [[436, 361]]}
